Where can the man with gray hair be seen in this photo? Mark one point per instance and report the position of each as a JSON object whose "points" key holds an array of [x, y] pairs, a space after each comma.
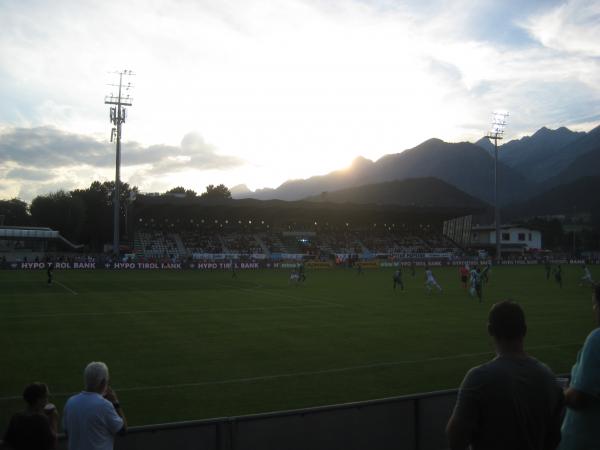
{"points": [[93, 417]]}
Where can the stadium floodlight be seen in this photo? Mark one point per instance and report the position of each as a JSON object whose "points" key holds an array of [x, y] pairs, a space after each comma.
{"points": [[496, 133], [117, 118]]}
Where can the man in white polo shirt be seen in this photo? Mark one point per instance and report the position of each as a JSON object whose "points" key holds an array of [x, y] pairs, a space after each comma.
{"points": [[93, 417]]}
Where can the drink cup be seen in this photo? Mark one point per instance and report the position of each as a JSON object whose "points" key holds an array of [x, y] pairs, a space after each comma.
{"points": [[49, 408]]}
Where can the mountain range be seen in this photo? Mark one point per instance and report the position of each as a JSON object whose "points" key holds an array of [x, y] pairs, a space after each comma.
{"points": [[527, 167]]}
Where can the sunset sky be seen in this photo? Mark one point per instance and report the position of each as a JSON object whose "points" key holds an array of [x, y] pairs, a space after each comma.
{"points": [[258, 91]]}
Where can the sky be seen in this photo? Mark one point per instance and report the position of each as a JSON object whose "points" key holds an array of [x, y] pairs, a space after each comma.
{"points": [[259, 91]]}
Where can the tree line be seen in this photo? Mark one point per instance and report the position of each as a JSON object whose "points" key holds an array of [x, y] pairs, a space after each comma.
{"points": [[85, 216]]}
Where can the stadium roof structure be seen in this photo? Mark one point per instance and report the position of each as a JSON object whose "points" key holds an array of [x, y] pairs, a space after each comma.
{"points": [[34, 233], [283, 212]]}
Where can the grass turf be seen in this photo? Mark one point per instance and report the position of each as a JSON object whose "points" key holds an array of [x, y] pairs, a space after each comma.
{"points": [[189, 345]]}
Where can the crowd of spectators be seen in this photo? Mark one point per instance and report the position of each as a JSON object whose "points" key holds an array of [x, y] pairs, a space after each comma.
{"points": [[155, 243]]}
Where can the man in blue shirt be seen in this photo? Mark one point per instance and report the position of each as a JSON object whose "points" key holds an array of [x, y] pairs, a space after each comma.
{"points": [[581, 427], [93, 417]]}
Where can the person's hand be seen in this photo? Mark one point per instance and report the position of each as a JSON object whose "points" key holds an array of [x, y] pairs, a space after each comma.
{"points": [[110, 395]]}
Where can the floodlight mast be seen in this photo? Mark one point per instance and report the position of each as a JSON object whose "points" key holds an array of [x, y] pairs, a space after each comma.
{"points": [[117, 118], [495, 134]]}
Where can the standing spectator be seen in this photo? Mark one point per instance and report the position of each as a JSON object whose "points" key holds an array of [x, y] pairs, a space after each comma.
{"points": [[93, 417], [512, 402], [36, 427], [581, 427]]}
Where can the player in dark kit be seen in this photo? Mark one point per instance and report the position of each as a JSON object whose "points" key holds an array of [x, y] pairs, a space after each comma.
{"points": [[548, 267], [398, 278], [464, 276], [558, 275], [359, 269], [301, 275], [49, 272], [412, 269]]}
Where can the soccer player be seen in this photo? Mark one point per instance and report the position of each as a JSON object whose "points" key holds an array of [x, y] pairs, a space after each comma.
{"points": [[412, 269], [398, 278], [294, 277], [464, 275], [49, 273], [359, 269], [558, 275], [484, 274], [476, 283], [430, 280], [301, 276], [586, 279], [548, 269]]}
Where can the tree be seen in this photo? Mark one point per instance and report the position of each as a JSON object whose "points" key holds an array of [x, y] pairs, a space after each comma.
{"points": [[189, 193], [14, 212], [217, 192], [60, 211], [97, 199]]}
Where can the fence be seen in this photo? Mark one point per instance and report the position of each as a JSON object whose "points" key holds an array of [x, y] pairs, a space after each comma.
{"points": [[412, 422]]}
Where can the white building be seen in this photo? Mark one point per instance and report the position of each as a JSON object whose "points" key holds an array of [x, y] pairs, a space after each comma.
{"points": [[512, 238]]}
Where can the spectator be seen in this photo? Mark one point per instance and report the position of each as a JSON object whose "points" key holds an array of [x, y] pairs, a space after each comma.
{"points": [[36, 427], [580, 428], [93, 417], [512, 402]]}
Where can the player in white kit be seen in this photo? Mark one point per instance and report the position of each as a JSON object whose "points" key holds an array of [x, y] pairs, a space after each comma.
{"points": [[430, 280], [586, 279]]}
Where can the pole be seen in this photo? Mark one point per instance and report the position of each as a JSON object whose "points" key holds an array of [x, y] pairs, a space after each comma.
{"points": [[117, 118], [117, 192], [496, 208]]}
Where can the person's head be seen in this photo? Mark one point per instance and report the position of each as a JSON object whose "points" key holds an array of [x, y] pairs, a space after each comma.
{"points": [[506, 322], [95, 377], [36, 395]]}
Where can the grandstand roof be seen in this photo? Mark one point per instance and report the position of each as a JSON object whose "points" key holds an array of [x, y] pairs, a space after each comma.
{"points": [[279, 211]]}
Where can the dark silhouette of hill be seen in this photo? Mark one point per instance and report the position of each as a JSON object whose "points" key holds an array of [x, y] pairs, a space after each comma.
{"points": [[576, 197], [586, 165], [423, 192], [547, 153], [463, 165]]}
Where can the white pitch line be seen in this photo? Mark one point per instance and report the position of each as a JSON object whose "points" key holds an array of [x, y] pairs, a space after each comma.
{"points": [[66, 287], [304, 373], [171, 311]]}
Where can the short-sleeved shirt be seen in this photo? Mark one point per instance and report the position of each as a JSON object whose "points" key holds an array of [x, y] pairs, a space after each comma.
{"points": [[30, 432], [513, 402], [90, 422], [581, 428]]}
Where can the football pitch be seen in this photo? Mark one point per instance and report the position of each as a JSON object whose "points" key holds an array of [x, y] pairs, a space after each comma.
{"points": [[189, 345]]}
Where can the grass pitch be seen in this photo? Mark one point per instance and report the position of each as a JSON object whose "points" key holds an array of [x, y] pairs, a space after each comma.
{"points": [[190, 345]]}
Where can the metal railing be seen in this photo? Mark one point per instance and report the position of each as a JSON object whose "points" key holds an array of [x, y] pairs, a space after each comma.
{"points": [[411, 422]]}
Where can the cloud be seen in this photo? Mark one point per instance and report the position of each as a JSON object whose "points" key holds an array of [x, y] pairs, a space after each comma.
{"points": [[49, 148], [573, 27], [309, 81], [22, 173], [40, 159]]}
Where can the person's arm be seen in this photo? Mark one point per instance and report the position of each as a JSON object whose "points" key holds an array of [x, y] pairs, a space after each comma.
{"points": [[463, 421], [459, 433], [576, 399], [111, 396], [585, 384]]}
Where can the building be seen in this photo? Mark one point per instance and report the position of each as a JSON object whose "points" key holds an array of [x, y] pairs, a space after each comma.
{"points": [[513, 239]]}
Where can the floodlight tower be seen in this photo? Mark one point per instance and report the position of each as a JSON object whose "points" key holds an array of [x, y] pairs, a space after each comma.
{"points": [[495, 134], [118, 115]]}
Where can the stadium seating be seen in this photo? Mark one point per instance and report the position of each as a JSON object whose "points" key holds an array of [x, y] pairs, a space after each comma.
{"points": [[369, 243]]}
